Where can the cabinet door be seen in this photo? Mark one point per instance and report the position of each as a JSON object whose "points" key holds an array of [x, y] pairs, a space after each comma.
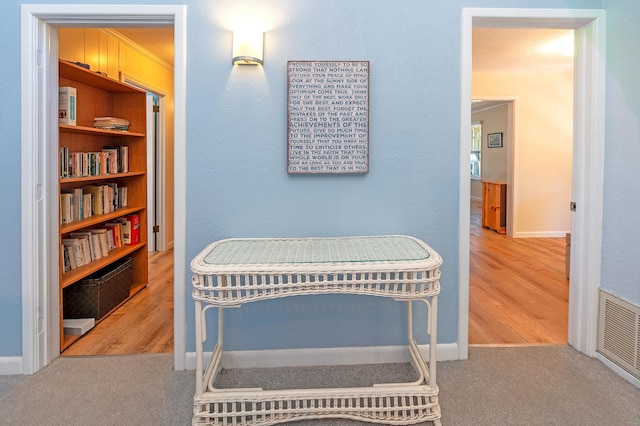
{"points": [[488, 205], [494, 206]]}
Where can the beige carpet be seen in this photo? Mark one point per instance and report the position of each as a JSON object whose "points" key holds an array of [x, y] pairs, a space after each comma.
{"points": [[550, 385]]}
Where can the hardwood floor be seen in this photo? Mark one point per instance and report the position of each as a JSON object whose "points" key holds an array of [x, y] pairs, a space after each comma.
{"points": [[518, 292], [142, 325]]}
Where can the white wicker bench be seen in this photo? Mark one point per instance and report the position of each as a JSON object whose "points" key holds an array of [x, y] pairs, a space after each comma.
{"points": [[229, 273]]}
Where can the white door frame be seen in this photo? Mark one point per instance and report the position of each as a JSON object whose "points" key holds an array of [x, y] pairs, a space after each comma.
{"points": [[39, 135], [588, 160]]}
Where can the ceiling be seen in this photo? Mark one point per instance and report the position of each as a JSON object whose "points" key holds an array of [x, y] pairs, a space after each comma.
{"points": [[522, 50], [515, 50], [158, 41]]}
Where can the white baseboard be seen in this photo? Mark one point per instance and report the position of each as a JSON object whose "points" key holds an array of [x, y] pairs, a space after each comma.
{"points": [[619, 371], [541, 234], [10, 365], [322, 356]]}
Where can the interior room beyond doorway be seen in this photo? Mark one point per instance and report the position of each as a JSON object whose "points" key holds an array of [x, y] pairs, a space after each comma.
{"points": [[144, 324], [518, 291]]}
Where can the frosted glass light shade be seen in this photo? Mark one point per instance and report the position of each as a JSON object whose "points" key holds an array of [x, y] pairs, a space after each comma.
{"points": [[248, 47]]}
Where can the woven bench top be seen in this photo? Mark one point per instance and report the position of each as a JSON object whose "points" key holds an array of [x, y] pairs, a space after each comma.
{"points": [[316, 254]]}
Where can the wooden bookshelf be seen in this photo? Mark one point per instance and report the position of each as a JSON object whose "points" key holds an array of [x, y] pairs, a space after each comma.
{"points": [[100, 96]]}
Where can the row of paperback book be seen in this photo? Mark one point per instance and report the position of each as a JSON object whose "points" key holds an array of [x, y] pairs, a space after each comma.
{"points": [[112, 159], [83, 247], [84, 202]]}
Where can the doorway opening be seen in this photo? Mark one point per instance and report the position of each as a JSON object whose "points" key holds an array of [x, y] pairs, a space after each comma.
{"points": [[144, 323], [588, 146], [518, 287], [41, 321]]}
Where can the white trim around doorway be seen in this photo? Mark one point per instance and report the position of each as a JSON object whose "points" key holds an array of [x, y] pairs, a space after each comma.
{"points": [[588, 168], [40, 316]]}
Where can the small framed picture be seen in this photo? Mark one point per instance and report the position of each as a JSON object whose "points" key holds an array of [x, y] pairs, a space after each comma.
{"points": [[494, 140]]}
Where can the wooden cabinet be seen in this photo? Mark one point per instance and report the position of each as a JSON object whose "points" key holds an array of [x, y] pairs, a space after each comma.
{"points": [[99, 96], [494, 206]]}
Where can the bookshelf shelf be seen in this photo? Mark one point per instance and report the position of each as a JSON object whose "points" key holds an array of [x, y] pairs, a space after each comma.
{"points": [[75, 275], [100, 96], [92, 221], [88, 179], [84, 130]]}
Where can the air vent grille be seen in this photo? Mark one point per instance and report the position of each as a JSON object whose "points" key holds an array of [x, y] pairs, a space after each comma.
{"points": [[619, 332]]}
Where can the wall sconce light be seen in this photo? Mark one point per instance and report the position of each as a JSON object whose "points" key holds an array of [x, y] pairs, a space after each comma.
{"points": [[248, 47]]}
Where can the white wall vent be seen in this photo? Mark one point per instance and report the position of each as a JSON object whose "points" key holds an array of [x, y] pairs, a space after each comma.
{"points": [[619, 332]]}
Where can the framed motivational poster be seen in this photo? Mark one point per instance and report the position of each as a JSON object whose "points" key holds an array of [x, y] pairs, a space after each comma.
{"points": [[327, 117]]}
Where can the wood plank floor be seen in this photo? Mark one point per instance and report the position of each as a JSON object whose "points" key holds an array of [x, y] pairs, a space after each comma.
{"points": [[518, 292], [142, 325]]}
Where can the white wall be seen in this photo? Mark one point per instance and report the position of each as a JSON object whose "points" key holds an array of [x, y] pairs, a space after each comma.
{"points": [[542, 146], [494, 160]]}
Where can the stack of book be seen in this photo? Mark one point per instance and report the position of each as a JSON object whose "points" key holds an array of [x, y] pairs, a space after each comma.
{"points": [[111, 123]]}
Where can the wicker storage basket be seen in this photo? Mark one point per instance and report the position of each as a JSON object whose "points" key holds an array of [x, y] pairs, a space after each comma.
{"points": [[99, 293]]}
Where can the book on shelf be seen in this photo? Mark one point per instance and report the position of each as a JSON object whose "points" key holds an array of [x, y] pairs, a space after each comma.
{"points": [[87, 205], [122, 196], [66, 206], [121, 153], [74, 252], [67, 96], [110, 160], [126, 230], [78, 326], [111, 243], [83, 247], [130, 228], [63, 162], [117, 232], [97, 198], [135, 228], [103, 240], [84, 202], [72, 205], [90, 251], [111, 123], [69, 259], [66, 262]]}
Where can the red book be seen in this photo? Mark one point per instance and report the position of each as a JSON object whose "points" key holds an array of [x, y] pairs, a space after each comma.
{"points": [[135, 228]]}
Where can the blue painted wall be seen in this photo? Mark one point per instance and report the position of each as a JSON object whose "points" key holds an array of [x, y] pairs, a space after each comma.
{"points": [[237, 134], [10, 262], [237, 184], [621, 233]]}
